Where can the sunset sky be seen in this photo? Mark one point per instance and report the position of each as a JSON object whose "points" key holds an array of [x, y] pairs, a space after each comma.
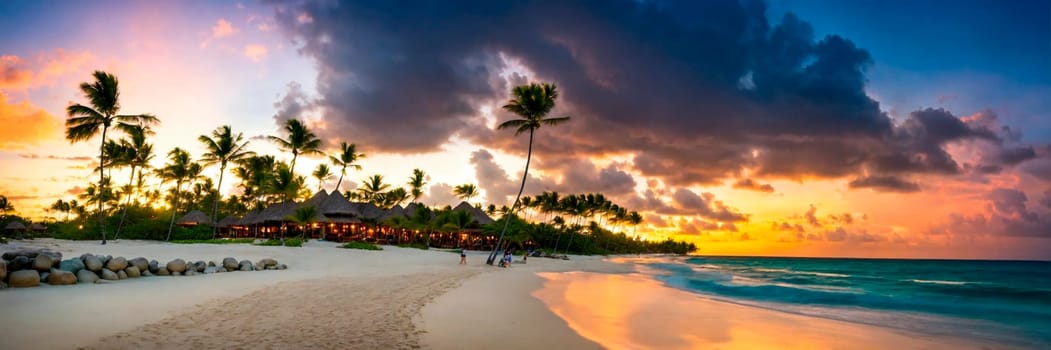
{"points": [[803, 128]]}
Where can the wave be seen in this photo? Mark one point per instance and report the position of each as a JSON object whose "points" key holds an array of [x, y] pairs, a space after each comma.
{"points": [[954, 283], [812, 273]]}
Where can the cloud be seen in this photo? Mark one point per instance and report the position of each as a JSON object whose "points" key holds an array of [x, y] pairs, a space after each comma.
{"points": [[441, 194], [749, 184], [26, 125], [13, 73], [1007, 214], [498, 186], [44, 69], [705, 205], [885, 184], [293, 105], [811, 216], [222, 29], [54, 157], [256, 52]]}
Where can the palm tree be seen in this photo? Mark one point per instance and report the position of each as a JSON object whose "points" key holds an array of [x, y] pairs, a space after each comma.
{"points": [[416, 183], [84, 122], [372, 188], [222, 148], [532, 103], [59, 206], [348, 157], [138, 155], [322, 173], [5, 206], [180, 169], [634, 219], [304, 216], [255, 174], [466, 192], [394, 197], [300, 141], [284, 184]]}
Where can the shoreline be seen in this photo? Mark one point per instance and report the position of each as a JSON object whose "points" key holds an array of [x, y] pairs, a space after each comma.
{"points": [[405, 298]]}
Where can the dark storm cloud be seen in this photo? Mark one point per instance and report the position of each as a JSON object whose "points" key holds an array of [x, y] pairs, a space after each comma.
{"points": [[705, 205], [1007, 214], [292, 105], [885, 184], [578, 175], [697, 91]]}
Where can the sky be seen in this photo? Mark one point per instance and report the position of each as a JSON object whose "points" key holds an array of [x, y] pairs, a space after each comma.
{"points": [[861, 128]]}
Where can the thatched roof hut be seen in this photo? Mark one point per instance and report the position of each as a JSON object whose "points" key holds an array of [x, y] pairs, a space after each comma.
{"points": [[338, 206], [251, 218], [476, 214], [410, 210], [392, 212], [194, 218], [228, 221], [37, 227], [368, 210], [277, 212], [15, 226]]}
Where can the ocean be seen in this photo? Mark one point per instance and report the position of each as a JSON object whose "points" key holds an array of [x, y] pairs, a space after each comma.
{"points": [[1000, 302]]}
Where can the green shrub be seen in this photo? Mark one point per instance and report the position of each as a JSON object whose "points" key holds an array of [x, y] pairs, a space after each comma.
{"points": [[415, 245], [216, 241], [362, 245], [289, 242]]}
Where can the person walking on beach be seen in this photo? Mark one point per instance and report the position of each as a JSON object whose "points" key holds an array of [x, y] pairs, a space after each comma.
{"points": [[463, 256]]}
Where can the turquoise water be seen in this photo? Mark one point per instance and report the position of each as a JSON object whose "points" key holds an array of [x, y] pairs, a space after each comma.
{"points": [[1000, 302]]}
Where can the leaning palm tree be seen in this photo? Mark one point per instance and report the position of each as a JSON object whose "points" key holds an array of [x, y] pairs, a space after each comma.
{"points": [[300, 141], [222, 148], [180, 169], [348, 157], [322, 173], [466, 192], [138, 155], [532, 103], [85, 121], [416, 183]]}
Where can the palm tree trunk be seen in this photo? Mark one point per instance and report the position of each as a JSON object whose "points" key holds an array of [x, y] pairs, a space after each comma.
{"points": [[175, 205], [341, 173], [218, 193], [102, 178], [126, 204], [292, 167], [507, 217]]}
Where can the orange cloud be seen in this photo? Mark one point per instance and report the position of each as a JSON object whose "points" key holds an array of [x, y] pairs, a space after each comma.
{"points": [[255, 52], [25, 125], [43, 70], [13, 74], [223, 29]]}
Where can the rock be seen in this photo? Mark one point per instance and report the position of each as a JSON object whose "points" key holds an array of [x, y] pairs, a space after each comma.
{"points": [[200, 265], [154, 266], [93, 263], [258, 266], [211, 263], [220, 270], [177, 265], [117, 264], [109, 275], [26, 252], [282, 267], [55, 256], [61, 277], [3, 269], [44, 276], [2, 284], [105, 259], [147, 273], [190, 272], [122, 275], [141, 263], [42, 263], [230, 264], [24, 278], [19, 263], [86, 276], [163, 271], [246, 265], [269, 262], [73, 265], [133, 272], [176, 273], [211, 269]]}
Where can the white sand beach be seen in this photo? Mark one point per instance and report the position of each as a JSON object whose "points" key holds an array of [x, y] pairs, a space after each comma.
{"points": [[399, 298]]}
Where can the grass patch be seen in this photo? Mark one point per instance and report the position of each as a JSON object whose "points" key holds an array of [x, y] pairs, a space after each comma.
{"points": [[415, 245], [215, 241], [289, 242], [362, 245]]}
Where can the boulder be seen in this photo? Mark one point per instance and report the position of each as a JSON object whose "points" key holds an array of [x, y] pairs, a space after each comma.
{"points": [[141, 263], [282, 266], [3, 269], [176, 273], [211, 269], [190, 272], [163, 271], [230, 264], [86, 276], [42, 262], [61, 277], [122, 275], [93, 263], [133, 272], [19, 263], [44, 276], [105, 259], [28, 253], [24, 278], [220, 270], [177, 265], [147, 273], [109, 275], [258, 266], [55, 256], [200, 265], [117, 264], [211, 263], [268, 262], [154, 266], [73, 265]]}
